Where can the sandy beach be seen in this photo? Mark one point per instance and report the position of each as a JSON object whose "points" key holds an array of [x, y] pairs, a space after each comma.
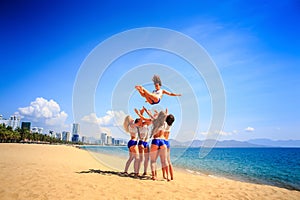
{"points": [[31, 171]]}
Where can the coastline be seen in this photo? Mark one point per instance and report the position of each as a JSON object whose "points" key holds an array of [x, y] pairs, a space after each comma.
{"points": [[272, 178], [35, 171]]}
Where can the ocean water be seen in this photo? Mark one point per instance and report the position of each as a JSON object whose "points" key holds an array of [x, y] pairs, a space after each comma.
{"points": [[272, 166]]}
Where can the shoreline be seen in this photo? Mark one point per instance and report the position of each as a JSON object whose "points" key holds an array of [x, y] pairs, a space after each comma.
{"points": [[247, 179], [34, 171], [197, 147]]}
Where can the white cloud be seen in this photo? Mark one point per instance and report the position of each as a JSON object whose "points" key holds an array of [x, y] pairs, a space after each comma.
{"points": [[58, 119], [41, 108], [91, 118], [92, 125], [225, 133], [249, 129], [222, 133], [203, 133], [45, 113], [112, 118]]}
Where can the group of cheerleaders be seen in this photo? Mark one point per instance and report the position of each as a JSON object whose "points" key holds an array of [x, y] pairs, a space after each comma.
{"points": [[161, 122]]}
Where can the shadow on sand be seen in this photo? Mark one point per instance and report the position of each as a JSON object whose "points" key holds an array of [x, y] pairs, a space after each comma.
{"points": [[109, 173]]}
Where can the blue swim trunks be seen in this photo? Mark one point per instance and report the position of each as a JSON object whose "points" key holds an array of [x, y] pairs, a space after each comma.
{"points": [[145, 144], [167, 143], [158, 142], [131, 143], [153, 103]]}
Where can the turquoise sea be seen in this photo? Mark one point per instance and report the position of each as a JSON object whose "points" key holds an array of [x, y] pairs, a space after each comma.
{"points": [[272, 166]]}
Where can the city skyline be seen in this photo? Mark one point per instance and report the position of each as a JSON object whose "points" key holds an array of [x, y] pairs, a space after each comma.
{"points": [[255, 48], [103, 139]]}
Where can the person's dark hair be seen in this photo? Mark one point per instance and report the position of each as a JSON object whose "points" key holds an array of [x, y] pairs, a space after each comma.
{"points": [[137, 120], [170, 119], [156, 79]]}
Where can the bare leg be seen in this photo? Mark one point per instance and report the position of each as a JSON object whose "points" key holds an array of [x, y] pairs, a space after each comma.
{"points": [[170, 165], [141, 156], [153, 157], [163, 169], [164, 162], [146, 162], [140, 90], [149, 96], [163, 172], [135, 151], [130, 159]]}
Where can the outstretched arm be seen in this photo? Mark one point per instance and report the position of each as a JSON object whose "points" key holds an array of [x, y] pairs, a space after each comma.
{"points": [[148, 113], [170, 93], [141, 116]]}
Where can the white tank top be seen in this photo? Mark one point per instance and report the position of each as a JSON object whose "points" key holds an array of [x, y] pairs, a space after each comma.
{"points": [[165, 127], [159, 93], [143, 131], [132, 130]]}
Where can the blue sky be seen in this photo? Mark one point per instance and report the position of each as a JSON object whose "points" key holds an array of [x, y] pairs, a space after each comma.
{"points": [[255, 46]]}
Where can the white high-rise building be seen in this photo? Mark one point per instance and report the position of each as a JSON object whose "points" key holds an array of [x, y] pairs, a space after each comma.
{"points": [[51, 133], [103, 138], [117, 142], [66, 136], [75, 132], [58, 136], [3, 121], [75, 129], [84, 139], [109, 140], [40, 130], [37, 130], [13, 121]]}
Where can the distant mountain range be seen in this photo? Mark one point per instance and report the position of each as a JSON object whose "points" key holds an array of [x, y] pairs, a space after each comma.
{"points": [[234, 143], [276, 143]]}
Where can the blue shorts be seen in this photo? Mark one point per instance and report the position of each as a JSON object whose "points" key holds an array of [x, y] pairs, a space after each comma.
{"points": [[158, 142], [153, 103], [167, 143], [131, 143], [145, 144]]}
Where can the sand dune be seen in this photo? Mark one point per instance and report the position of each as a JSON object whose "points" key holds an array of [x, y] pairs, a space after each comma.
{"points": [[29, 171]]}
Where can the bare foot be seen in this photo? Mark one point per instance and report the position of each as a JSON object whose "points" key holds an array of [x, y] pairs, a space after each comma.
{"points": [[139, 88]]}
